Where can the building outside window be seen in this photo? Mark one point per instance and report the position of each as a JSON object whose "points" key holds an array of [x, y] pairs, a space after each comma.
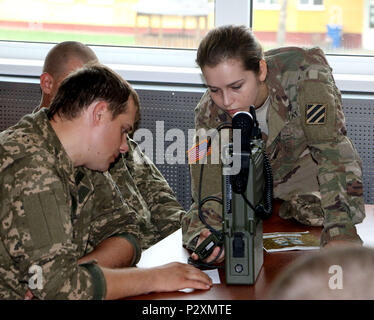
{"points": [[151, 41], [337, 26], [161, 23]]}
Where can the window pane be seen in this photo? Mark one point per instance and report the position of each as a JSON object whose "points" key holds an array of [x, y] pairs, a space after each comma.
{"points": [[337, 26], [371, 16], [161, 23]]}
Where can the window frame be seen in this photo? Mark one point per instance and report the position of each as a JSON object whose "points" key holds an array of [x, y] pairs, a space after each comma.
{"points": [[310, 6], [177, 67], [267, 5]]}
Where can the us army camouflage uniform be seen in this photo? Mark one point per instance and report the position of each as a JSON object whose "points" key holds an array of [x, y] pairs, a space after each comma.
{"points": [[148, 194], [316, 168], [48, 216]]}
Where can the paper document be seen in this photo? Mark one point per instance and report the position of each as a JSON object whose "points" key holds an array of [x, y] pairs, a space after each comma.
{"points": [[213, 274], [283, 241]]}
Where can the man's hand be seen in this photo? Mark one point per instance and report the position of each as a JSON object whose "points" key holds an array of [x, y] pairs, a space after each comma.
{"points": [[205, 233], [176, 276], [166, 278]]}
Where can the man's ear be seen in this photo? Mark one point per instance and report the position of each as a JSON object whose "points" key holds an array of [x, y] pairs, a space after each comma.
{"points": [[99, 112], [46, 82], [263, 70]]}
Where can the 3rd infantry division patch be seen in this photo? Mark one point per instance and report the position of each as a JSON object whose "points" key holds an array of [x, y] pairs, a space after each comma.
{"points": [[315, 113]]}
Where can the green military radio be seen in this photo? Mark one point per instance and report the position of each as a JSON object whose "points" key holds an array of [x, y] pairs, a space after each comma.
{"points": [[246, 189], [247, 186]]}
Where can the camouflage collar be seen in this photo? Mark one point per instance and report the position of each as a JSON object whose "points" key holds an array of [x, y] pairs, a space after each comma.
{"points": [[53, 144]]}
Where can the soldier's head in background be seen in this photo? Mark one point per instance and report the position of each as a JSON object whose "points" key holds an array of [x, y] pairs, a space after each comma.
{"points": [[234, 68], [61, 60], [92, 113]]}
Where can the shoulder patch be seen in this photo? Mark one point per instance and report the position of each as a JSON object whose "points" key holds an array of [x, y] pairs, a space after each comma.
{"points": [[315, 114]]}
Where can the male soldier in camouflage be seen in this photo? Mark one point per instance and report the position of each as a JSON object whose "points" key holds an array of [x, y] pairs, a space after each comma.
{"points": [[317, 171], [133, 174], [50, 225]]}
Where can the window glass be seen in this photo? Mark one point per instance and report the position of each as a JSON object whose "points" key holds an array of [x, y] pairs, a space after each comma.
{"points": [[161, 23], [337, 26], [371, 16]]}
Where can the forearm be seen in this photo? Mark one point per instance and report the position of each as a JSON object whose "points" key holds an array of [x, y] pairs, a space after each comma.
{"points": [[114, 252], [340, 179], [121, 283], [341, 189], [212, 210]]}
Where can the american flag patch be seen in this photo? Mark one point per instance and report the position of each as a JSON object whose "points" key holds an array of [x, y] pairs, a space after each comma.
{"points": [[315, 114], [198, 151]]}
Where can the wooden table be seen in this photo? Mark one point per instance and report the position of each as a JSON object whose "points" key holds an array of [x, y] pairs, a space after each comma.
{"points": [[170, 249]]}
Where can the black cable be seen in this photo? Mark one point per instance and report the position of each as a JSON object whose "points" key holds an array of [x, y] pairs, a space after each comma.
{"points": [[201, 202], [206, 265], [201, 216], [218, 234], [248, 202], [264, 211]]}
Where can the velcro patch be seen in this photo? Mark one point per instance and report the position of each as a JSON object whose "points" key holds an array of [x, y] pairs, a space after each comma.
{"points": [[198, 151], [315, 113]]}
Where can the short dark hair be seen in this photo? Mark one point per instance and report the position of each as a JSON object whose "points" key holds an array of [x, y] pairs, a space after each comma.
{"points": [[93, 82], [230, 42], [57, 57]]}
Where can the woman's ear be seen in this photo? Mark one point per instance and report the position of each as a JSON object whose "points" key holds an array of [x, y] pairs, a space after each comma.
{"points": [[263, 70]]}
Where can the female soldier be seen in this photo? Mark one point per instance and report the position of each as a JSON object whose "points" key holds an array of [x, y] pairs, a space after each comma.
{"points": [[317, 171]]}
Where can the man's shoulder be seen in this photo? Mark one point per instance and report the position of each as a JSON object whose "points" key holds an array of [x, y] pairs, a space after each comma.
{"points": [[22, 142]]}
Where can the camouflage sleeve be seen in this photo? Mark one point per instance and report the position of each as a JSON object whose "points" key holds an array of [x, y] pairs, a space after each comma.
{"points": [[211, 180], [37, 231], [161, 201], [339, 165], [212, 210], [111, 216]]}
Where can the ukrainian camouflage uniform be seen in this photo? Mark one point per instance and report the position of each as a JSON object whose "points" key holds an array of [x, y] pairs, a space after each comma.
{"points": [[49, 217], [148, 194], [317, 170]]}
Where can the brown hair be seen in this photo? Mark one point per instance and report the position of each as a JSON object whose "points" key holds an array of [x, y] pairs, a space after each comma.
{"points": [[230, 42], [310, 276], [94, 82]]}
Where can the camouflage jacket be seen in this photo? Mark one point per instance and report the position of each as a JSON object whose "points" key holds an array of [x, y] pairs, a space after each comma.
{"points": [[147, 193], [317, 150], [50, 218]]}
